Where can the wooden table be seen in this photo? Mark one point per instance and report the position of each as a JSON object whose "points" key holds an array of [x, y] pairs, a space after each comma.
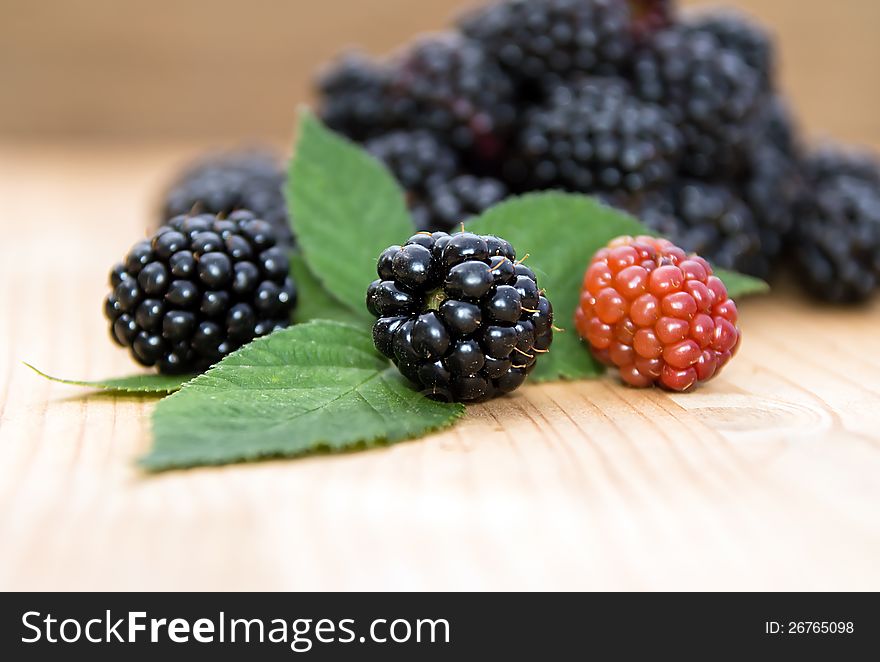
{"points": [[765, 479]]}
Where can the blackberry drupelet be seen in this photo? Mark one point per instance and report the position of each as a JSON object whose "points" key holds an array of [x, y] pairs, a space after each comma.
{"points": [[710, 91], [416, 158], [738, 33], [458, 315], [355, 99], [222, 183], [200, 288], [710, 219], [836, 240], [656, 314], [540, 42], [596, 136], [448, 85], [446, 203]]}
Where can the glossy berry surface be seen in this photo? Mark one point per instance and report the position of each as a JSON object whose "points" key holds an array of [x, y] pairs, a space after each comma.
{"points": [[200, 288], [458, 316], [656, 314]]}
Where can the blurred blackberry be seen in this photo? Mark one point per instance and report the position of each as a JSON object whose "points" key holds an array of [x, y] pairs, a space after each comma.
{"points": [[354, 97], [772, 182], [458, 315], [416, 158], [542, 41], [738, 33], [711, 92], [447, 203], [222, 183], [448, 85], [200, 288], [596, 135], [836, 240], [711, 220], [831, 161]]}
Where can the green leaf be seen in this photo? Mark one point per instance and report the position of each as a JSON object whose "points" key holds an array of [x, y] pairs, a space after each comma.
{"points": [[348, 209], [560, 232], [314, 302], [313, 387], [740, 285], [145, 384]]}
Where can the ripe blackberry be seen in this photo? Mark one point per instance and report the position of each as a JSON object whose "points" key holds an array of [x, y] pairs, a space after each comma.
{"points": [[544, 41], [416, 158], [772, 182], [201, 287], [222, 183], [738, 33], [710, 91], [354, 97], [710, 219], [657, 314], [836, 240], [597, 136], [448, 85], [458, 315], [447, 203]]}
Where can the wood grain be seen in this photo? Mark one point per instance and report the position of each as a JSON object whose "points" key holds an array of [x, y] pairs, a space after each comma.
{"points": [[765, 479]]}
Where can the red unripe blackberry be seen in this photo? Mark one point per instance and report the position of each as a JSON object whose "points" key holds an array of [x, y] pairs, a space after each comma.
{"points": [[657, 314]]}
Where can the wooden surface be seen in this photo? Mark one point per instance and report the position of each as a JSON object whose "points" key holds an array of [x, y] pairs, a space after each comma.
{"points": [[765, 479]]}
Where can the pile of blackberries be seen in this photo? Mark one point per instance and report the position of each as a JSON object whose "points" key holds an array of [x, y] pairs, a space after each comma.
{"points": [[676, 119]]}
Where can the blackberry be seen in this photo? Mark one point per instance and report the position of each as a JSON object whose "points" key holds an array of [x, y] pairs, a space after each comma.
{"points": [[711, 219], [416, 158], [458, 315], [596, 136], [222, 183], [836, 240], [354, 97], [711, 92], [772, 182], [201, 287], [539, 42], [447, 84], [445, 204], [736, 32], [656, 314]]}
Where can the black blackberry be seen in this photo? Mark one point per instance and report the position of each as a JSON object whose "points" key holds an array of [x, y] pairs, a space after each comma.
{"points": [[711, 220], [201, 287], [458, 315], [446, 203], [596, 136], [772, 182], [711, 92], [736, 32], [831, 161], [221, 183], [836, 240], [448, 85], [416, 158], [544, 41], [354, 97]]}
